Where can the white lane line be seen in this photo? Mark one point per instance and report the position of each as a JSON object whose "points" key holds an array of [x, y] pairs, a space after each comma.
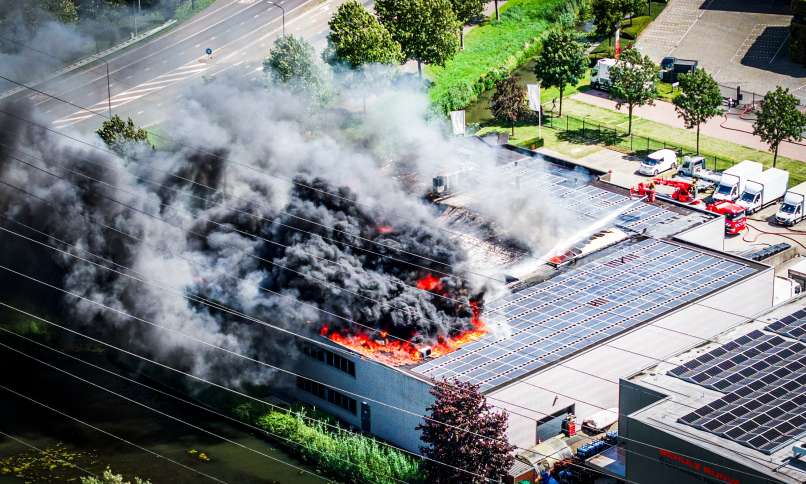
{"points": [[193, 65]]}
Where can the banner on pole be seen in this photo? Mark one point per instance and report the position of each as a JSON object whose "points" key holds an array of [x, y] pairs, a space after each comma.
{"points": [[618, 43], [533, 91], [458, 122]]}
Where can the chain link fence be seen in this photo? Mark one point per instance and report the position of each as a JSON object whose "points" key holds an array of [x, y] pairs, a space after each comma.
{"points": [[584, 131]]}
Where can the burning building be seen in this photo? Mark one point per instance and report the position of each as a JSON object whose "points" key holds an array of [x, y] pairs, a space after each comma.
{"points": [[633, 282]]}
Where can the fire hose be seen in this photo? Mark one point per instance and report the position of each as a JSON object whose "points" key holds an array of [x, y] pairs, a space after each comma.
{"points": [[764, 232]]}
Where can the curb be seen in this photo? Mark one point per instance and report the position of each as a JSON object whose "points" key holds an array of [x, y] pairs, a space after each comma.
{"points": [[90, 59]]}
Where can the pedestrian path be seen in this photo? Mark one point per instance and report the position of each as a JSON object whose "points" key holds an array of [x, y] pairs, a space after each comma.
{"points": [[731, 129]]}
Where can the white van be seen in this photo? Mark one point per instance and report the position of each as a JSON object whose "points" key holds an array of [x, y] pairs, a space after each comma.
{"points": [[658, 162], [600, 75]]}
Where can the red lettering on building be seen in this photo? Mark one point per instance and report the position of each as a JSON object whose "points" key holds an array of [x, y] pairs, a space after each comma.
{"points": [[697, 466]]}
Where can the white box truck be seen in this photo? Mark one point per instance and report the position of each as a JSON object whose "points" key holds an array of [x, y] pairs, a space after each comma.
{"points": [[764, 190], [600, 74], [732, 181], [791, 210]]}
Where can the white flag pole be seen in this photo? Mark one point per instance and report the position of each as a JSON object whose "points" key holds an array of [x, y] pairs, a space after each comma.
{"points": [[539, 116]]}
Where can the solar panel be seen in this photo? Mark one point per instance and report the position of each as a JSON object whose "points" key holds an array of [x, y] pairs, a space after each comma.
{"points": [[553, 319], [793, 326], [764, 378], [594, 203]]}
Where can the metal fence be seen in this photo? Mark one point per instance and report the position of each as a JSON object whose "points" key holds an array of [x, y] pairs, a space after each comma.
{"points": [[750, 98], [581, 130]]}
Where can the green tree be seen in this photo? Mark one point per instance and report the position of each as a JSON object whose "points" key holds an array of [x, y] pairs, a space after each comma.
{"points": [[509, 102], [634, 82], [562, 61], [607, 16], [108, 477], [779, 119], [466, 10], [64, 11], [357, 38], [630, 7], [291, 62], [116, 133], [699, 100], [425, 29], [466, 432]]}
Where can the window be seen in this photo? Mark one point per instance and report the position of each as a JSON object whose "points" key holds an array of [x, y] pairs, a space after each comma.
{"points": [[329, 394], [311, 387], [331, 359]]}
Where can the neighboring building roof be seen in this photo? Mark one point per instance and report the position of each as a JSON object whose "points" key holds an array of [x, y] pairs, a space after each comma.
{"points": [[743, 396]]}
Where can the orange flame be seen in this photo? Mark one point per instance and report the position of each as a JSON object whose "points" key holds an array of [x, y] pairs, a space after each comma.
{"points": [[430, 283], [397, 352], [385, 229]]}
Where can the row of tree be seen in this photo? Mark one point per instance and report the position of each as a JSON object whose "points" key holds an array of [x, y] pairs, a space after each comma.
{"points": [[633, 83], [426, 31]]}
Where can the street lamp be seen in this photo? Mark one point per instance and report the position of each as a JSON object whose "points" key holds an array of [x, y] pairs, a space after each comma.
{"points": [[108, 89], [282, 9], [135, 14]]}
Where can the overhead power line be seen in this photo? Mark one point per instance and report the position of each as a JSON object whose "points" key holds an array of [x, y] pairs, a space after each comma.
{"points": [[164, 414], [98, 429], [219, 386], [196, 405]]}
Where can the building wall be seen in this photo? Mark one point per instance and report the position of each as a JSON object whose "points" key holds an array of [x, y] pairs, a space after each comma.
{"points": [[631, 398], [652, 455], [376, 382], [710, 234]]}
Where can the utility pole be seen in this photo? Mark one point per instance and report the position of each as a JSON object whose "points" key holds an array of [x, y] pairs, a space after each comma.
{"points": [[108, 91], [135, 16]]}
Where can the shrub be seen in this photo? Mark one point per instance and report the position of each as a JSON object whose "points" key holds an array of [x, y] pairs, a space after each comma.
{"points": [[343, 455]]}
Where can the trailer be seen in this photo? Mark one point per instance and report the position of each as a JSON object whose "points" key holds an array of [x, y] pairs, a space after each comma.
{"points": [[792, 209], [764, 190], [732, 181], [672, 67]]}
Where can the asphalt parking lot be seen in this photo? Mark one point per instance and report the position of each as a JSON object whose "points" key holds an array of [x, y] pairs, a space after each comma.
{"points": [[740, 42]]}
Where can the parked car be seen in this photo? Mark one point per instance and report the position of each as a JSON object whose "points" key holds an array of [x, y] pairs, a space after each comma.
{"points": [[658, 162]]}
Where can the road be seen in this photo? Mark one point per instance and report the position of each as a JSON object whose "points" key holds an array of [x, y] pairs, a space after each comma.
{"points": [[146, 79]]}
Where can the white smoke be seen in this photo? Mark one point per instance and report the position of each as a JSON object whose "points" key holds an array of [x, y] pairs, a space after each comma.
{"points": [[246, 142]]}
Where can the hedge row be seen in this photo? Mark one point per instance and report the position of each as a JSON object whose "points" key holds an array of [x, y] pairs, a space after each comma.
{"points": [[494, 50], [342, 455]]}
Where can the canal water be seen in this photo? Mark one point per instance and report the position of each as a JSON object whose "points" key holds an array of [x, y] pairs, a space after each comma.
{"points": [[92, 449]]}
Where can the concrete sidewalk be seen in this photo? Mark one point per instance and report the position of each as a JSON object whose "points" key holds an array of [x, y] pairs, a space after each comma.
{"points": [[730, 129]]}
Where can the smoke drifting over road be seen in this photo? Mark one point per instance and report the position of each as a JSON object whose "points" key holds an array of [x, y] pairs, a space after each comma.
{"points": [[345, 241]]}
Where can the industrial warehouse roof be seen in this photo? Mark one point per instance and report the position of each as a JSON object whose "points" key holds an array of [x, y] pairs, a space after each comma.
{"points": [[743, 396], [586, 200], [623, 287]]}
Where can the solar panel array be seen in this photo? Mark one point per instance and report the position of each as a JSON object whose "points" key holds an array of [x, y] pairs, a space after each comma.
{"points": [[593, 202], [574, 310], [764, 378], [793, 325]]}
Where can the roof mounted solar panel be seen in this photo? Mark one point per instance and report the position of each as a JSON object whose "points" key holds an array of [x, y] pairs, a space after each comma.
{"points": [[557, 316]]}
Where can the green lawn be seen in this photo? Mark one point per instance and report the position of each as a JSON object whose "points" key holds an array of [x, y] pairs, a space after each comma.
{"points": [[599, 127], [492, 51]]}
